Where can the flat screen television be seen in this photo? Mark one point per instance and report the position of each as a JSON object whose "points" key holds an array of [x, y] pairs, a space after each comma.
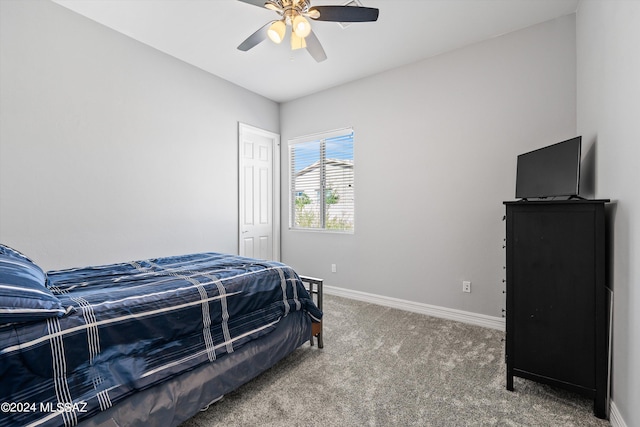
{"points": [[551, 171]]}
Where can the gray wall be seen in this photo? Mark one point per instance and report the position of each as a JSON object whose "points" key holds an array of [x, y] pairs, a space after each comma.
{"points": [[435, 155], [109, 149], [608, 37]]}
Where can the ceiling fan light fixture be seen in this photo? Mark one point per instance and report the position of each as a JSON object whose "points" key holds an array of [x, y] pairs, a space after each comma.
{"points": [[276, 31], [297, 42], [301, 26], [297, 13]]}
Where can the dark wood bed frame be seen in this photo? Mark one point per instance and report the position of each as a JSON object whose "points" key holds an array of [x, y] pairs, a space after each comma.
{"points": [[314, 286]]}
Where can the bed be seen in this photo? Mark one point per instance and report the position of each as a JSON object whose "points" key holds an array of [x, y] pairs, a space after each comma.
{"points": [[148, 342]]}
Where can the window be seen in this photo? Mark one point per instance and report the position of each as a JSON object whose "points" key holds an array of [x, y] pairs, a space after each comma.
{"points": [[321, 181]]}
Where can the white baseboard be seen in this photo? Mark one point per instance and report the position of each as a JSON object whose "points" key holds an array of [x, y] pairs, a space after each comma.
{"points": [[615, 418], [418, 307]]}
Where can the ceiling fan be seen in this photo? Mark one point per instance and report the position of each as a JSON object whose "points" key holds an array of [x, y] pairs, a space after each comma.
{"points": [[294, 13]]}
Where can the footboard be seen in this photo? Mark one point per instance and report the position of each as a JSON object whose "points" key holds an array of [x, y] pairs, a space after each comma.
{"points": [[314, 286]]}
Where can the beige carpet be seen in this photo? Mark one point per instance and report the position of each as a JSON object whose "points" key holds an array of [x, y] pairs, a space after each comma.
{"points": [[387, 367]]}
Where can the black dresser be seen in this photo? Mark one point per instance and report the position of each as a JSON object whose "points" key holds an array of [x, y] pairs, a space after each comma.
{"points": [[557, 301]]}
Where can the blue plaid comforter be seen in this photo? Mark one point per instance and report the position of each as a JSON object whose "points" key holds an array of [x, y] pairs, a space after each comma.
{"points": [[134, 325]]}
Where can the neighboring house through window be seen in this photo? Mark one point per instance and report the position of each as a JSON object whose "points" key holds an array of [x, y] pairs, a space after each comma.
{"points": [[321, 181]]}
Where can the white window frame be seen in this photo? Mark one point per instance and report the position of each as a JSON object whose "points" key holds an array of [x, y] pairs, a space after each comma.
{"points": [[320, 138]]}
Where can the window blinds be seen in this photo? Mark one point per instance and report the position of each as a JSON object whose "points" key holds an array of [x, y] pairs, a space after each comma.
{"points": [[322, 181]]}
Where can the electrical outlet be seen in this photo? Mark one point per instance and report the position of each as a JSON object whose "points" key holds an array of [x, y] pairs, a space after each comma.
{"points": [[333, 268], [466, 286]]}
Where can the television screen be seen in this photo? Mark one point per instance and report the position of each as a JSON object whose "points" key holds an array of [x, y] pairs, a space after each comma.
{"points": [[550, 171]]}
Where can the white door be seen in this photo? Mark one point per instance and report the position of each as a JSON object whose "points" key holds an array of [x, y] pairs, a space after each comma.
{"points": [[259, 185]]}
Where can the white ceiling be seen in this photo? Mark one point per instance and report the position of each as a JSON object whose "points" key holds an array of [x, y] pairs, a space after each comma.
{"points": [[206, 33]]}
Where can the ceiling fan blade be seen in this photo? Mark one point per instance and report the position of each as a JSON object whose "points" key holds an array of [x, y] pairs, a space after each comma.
{"points": [[344, 13], [315, 48], [255, 38], [259, 3]]}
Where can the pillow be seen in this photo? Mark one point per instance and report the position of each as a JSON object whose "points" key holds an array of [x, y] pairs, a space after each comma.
{"points": [[23, 294]]}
